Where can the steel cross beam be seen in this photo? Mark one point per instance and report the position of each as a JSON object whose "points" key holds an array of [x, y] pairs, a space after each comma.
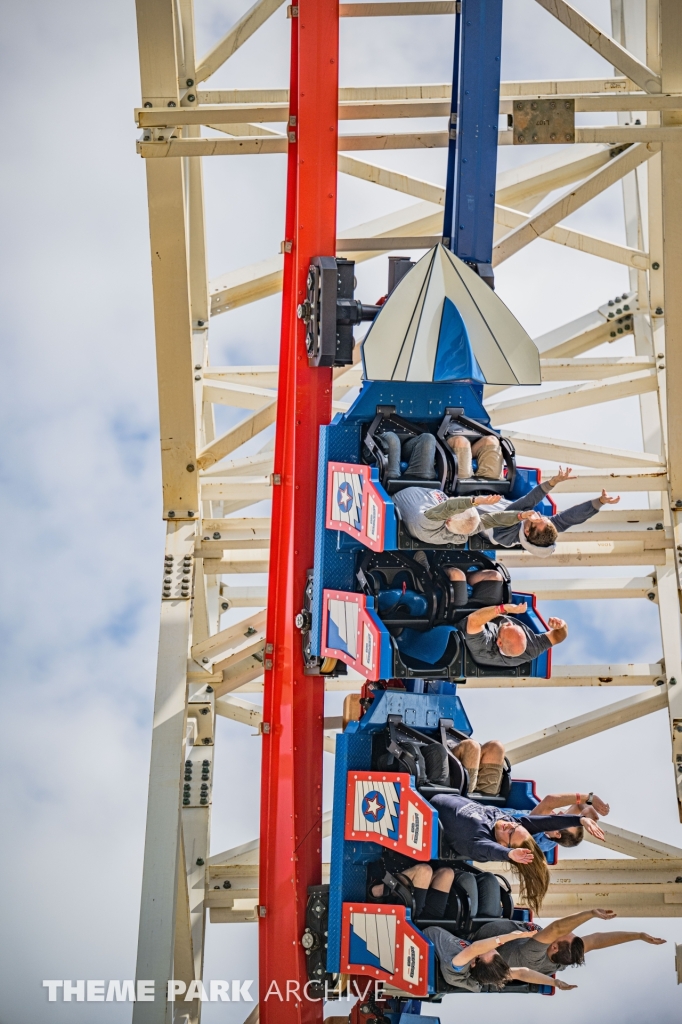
{"points": [[291, 782]]}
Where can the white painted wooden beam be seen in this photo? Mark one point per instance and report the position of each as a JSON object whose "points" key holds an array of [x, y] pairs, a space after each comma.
{"points": [[392, 10], [641, 887], [586, 481], [239, 561], [236, 37], [577, 396], [227, 639], [593, 368], [603, 588], [249, 465], [509, 218], [579, 728], [634, 845], [252, 145], [242, 597], [391, 179], [438, 90], [607, 47], [578, 675], [241, 396], [562, 675], [577, 453], [261, 376], [237, 436], [515, 186], [573, 200]]}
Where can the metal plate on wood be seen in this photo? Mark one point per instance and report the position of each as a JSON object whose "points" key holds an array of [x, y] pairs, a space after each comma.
{"points": [[543, 122], [198, 777]]}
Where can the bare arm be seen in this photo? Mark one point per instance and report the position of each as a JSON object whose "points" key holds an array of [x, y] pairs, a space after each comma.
{"points": [[554, 800], [565, 925], [485, 946], [535, 978], [478, 619], [602, 940]]}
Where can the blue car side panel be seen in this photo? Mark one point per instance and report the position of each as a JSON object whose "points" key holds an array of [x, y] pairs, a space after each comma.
{"points": [[422, 710]]}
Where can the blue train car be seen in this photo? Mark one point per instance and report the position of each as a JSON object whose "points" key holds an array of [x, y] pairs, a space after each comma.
{"points": [[378, 602]]}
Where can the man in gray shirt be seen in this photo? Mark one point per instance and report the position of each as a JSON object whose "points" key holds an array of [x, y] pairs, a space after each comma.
{"points": [[555, 947], [494, 639], [432, 517], [470, 965]]}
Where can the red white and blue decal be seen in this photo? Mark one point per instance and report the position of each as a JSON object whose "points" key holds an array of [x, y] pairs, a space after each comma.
{"points": [[383, 807], [356, 504], [354, 634], [380, 942]]}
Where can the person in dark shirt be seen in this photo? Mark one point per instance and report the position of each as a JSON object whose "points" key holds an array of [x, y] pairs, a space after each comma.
{"points": [[557, 946], [494, 639], [480, 833]]}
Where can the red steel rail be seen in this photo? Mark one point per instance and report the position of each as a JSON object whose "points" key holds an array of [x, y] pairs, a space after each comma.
{"points": [[291, 784]]}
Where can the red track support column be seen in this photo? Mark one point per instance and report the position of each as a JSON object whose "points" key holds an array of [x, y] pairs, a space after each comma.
{"points": [[291, 787]]}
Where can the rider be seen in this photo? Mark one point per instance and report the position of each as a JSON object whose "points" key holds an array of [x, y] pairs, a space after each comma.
{"points": [[557, 946], [480, 833], [534, 532]]}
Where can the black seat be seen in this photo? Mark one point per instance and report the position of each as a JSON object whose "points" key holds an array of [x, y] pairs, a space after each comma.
{"points": [[386, 421], [473, 431], [418, 594]]}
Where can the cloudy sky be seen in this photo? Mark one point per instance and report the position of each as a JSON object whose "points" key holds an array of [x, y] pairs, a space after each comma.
{"points": [[82, 492]]}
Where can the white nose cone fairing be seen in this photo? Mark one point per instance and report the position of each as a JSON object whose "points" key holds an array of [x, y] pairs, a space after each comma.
{"points": [[443, 323]]}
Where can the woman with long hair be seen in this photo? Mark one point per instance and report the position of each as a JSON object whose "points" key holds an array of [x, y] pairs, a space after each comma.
{"points": [[481, 833]]}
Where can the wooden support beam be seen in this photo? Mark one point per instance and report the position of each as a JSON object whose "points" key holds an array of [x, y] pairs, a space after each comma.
{"points": [[509, 218], [392, 10], [239, 561], [641, 887], [249, 465], [251, 145], [603, 588], [562, 675], [579, 728], [261, 376], [237, 436], [242, 597], [515, 186], [173, 330], [252, 714], [241, 396], [607, 47], [578, 675], [243, 487], [227, 639], [634, 845], [584, 554], [163, 855], [583, 334], [577, 396], [432, 90], [567, 204], [247, 284], [577, 453], [391, 179], [586, 482], [388, 244], [183, 948], [233, 533], [236, 37], [594, 369]]}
